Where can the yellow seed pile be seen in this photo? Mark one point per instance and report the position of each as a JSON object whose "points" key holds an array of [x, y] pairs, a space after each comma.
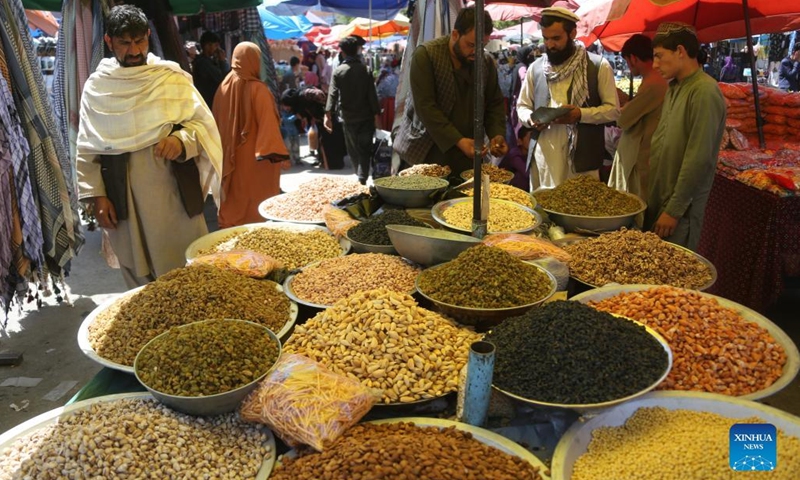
{"points": [[385, 341], [660, 444], [501, 191], [503, 217], [292, 248]]}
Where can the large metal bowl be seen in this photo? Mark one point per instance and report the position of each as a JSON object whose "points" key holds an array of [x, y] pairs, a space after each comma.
{"points": [[790, 369], [408, 198], [210, 404], [576, 440], [702, 259], [486, 317], [428, 246], [438, 214], [207, 241], [591, 407], [583, 223], [359, 247]]}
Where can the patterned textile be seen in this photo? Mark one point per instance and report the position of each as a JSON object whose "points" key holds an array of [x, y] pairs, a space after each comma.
{"points": [[57, 200], [753, 239], [249, 21]]}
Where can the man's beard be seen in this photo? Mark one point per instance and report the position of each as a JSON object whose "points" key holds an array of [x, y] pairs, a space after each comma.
{"points": [[560, 56], [460, 55], [129, 61]]}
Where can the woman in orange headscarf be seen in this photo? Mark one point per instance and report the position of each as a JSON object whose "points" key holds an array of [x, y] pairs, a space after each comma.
{"points": [[249, 126]]}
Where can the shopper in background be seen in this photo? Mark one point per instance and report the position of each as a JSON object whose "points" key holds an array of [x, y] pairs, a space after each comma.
{"points": [[249, 126], [638, 119], [148, 151], [728, 72], [352, 92], [686, 142], [290, 130], [789, 74], [294, 76], [209, 67], [386, 86]]}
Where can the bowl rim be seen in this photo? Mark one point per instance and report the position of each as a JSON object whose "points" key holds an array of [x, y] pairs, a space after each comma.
{"points": [[445, 183], [642, 208], [553, 287], [439, 208], [269, 332], [472, 240]]}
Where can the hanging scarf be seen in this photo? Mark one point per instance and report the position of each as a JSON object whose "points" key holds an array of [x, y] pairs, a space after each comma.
{"points": [[574, 68]]}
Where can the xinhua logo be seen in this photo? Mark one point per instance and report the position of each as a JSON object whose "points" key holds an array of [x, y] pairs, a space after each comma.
{"points": [[753, 447]]}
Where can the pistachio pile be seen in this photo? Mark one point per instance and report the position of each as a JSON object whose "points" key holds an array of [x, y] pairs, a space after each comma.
{"points": [[503, 217], [587, 196], [372, 231], [485, 277], [411, 182], [292, 248], [429, 169], [184, 295], [501, 191], [496, 174], [207, 358]]}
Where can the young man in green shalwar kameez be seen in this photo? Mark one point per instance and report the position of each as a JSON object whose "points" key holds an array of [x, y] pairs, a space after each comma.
{"points": [[683, 155]]}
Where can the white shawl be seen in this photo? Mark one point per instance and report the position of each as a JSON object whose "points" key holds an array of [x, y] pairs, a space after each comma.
{"points": [[125, 109]]}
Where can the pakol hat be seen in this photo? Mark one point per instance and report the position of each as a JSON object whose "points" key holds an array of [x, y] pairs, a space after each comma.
{"points": [[666, 29], [562, 13]]}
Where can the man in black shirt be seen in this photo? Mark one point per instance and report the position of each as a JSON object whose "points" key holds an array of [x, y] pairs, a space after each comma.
{"points": [[789, 76], [209, 67]]}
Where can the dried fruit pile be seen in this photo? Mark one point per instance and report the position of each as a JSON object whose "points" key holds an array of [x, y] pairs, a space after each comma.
{"points": [[587, 196]]}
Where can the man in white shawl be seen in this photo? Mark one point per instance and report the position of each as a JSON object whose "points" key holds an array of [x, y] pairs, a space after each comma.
{"points": [[142, 115]]}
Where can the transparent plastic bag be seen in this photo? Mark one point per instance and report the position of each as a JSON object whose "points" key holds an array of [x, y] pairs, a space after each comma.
{"points": [[304, 403], [526, 247], [246, 262], [338, 221]]}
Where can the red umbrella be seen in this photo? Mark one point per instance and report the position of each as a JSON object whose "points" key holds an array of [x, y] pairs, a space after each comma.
{"points": [[514, 10]]}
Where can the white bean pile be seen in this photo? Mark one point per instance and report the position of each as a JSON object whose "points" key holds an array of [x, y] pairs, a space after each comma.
{"points": [[307, 203]]}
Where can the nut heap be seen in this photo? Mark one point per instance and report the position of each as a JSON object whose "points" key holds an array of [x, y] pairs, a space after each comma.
{"points": [[631, 257], [503, 216], [485, 277], [496, 174], [182, 296], [640, 448], [372, 231], [307, 203], [412, 182], [501, 191], [385, 341], [404, 450], [429, 169], [337, 278], [206, 358], [587, 196], [133, 438], [292, 248], [715, 349]]}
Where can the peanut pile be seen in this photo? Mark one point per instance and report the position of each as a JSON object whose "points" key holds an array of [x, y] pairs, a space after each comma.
{"points": [[138, 438], [714, 348], [405, 451], [385, 341], [307, 203], [656, 443], [337, 278]]}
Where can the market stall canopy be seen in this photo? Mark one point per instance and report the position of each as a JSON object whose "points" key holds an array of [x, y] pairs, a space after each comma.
{"points": [[363, 27], [529, 29], [44, 21], [515, 11], [332, 38], [277, 27], [381, 9], [178, 7], [714, 20]]}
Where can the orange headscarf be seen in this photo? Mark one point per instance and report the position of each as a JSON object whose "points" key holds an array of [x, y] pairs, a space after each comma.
{"points": [[245, 67]]}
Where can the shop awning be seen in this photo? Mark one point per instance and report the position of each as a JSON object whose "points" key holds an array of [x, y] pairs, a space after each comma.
{"points": [[381, 9], [179, 7]]}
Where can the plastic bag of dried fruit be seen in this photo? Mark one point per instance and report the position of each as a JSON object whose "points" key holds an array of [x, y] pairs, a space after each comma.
{"points": [[304, 403], [338, 221], [526, 247], [246, 262]]}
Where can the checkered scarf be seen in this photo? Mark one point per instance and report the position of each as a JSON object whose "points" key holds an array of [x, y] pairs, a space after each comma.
{"points": [[574, 68]]}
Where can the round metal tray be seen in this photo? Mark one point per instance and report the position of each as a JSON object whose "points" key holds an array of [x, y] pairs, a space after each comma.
{"points": [[49, 418], [576, 440], [790, 369], [573, 223], [591, 407], [486, 316], [438, 210], [86, 346], [279, 198], [408, 198], [702, 259], [207, 241]]}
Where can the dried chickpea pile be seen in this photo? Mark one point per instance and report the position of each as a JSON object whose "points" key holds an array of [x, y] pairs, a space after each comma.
{"points": [[307, 203], [385, 341], [501, 191], [656, 443], [138, 438], [292, 248], [404, 450], [631, 257], [587, 196], [496, 174], [428, 169], [207, 358], [503, 217], [182, 296], [714, 348], [337, 278]]}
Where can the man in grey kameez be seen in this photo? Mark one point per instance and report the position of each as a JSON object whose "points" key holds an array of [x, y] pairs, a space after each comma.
{"points": [[683, 154], [143, 116]]}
